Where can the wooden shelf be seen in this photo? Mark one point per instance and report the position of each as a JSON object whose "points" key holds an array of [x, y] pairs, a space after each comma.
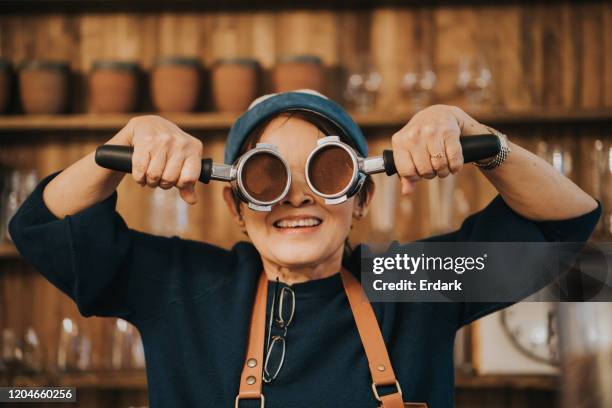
{"points": [[133, 379], [204, 121], [514, 381], [223, 121], [136, 379], [531, 116], [103, 379], [27, 6], [8, 251]]}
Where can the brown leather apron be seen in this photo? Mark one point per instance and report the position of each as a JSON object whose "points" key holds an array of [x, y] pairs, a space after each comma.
{"points": [[371, 338]]}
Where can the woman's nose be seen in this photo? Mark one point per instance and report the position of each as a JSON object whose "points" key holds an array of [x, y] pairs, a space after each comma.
{"points": [[299, 194]]}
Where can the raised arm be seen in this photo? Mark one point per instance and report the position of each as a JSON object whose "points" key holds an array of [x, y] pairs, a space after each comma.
{"points": [[527, 183], [69, 230], [164, 156]]}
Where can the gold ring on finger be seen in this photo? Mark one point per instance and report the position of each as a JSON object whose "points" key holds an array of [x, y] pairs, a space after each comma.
{"points": [[438, 155]]}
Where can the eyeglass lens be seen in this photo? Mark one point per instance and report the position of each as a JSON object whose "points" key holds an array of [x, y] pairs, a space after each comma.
{"points": [[286, 307], [274, 358]]}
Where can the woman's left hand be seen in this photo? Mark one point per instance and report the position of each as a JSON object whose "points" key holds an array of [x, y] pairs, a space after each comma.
{"points": [[428, 146]]}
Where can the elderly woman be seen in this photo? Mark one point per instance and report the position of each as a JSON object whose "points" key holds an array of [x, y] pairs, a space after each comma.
{"points": [[204, 312]]}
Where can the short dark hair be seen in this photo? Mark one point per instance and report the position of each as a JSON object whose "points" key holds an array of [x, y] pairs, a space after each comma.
{"points": [[326, 127]]}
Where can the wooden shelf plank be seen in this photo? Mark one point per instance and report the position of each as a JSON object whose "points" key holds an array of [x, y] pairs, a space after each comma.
{"points": [[514, 381], [136, 379], [8, 251], [133, 379], [26, 6], [540, 115], [103, 379], [224, 120], [208, 121]]}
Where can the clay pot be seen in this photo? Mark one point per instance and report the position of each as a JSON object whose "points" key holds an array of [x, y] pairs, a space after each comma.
{"points": [[234, 83], [113, 86], [175, 84], [5, 84], [43, 87], [299, 72]]}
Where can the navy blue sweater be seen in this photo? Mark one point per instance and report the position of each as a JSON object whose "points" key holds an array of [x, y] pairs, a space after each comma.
{"points": [[191, 302]]}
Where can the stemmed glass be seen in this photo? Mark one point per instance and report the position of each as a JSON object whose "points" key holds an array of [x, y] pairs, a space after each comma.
{"points": [[475, 80], [363, 84], [74, 350], [12, 353], [418, 81], [169, 213], [557, 154], [18, 184], [606, 188], [127, 351], [32, 352]]}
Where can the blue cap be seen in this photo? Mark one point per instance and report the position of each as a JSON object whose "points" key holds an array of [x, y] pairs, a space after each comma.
{"points": [[302, 100]]}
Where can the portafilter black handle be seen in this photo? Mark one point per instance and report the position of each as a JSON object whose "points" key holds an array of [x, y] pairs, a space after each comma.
{"points": [[474, 148], [115, 157]]}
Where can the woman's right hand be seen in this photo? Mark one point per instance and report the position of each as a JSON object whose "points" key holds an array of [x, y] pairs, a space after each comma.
{"points": [[164, 156]]}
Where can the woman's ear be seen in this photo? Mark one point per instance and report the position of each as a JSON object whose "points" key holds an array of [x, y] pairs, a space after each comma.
{"points": [[360, 209], [228, 196]]}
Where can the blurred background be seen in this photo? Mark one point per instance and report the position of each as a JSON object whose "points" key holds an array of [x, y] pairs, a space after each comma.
{"points": [[72, 73]]}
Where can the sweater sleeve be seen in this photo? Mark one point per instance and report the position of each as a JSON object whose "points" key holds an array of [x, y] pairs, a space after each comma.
{"points": [[91, 256], [499, 223]]}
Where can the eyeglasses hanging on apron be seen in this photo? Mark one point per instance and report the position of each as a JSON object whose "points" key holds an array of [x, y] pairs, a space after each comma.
{"points": [[282, 311], [379, 363], [262, 178]]}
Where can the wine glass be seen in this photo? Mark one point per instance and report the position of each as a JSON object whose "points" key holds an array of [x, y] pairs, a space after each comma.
{"points": [[69, 346], [557, 153], [606, 187], [137, 351], [363, 84], [32, 352], [123, 339], [18, 185], [475, 80], [11, 201], [418, 81], [12, 353], [169, 213]]}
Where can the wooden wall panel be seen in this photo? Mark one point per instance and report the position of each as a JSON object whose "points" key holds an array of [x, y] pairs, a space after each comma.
{"points": [[550, 55], [540, 56]]}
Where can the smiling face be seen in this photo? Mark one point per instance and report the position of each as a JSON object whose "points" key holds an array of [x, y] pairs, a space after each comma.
{"points": [[301, 230]]}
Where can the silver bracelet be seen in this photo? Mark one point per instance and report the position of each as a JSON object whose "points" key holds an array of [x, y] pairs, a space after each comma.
{"points": [[499, 157]]}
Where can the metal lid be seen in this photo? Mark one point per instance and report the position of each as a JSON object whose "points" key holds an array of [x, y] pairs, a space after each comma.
{"points": [[44, 64], [177, 60], [114, 64], [306, 59], [250, 62]]}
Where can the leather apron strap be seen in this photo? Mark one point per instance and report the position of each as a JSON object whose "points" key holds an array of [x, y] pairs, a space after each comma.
{"points": [[369, 332], [373, 342], [252, 372]]}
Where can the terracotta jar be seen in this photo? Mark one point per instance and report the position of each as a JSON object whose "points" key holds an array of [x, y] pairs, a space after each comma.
{"points": [[5, 84], [113, 86], [43, 87], [175, 84], [234, 83], [298, 72]]}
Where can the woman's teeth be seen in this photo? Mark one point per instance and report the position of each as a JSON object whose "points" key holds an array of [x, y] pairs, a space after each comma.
{"points": [[305, 222]]}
